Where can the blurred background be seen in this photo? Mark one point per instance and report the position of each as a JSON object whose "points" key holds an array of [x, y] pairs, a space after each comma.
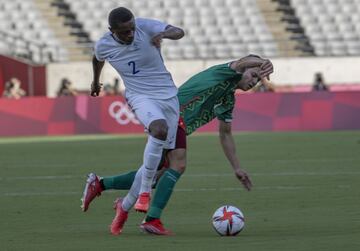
{"points": [[306, 178], [46, 48]]}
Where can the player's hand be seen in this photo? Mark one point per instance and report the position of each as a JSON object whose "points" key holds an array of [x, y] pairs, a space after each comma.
{"points": [[157, 39], [244, 179], [266, 68], [266, 82], [95, 89]]}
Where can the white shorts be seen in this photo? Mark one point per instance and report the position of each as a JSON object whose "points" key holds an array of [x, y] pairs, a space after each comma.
{"points": [[147, 110]]}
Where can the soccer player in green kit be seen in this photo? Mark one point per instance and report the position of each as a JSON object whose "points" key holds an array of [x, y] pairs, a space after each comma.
{"points": [[206, 95]]}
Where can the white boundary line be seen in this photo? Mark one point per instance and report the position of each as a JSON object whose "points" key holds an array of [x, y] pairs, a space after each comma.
{"points": [[202, 175], [85, 137], [181, 190], [263, 162], [72, 138]]}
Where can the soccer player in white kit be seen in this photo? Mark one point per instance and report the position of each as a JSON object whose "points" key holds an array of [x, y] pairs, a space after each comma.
{"points": [[132, 47]]}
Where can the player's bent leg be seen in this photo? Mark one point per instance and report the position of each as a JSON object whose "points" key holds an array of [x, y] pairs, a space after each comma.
{"points": [[152, 157], [120, 218], [118, 182], [91, 191], [165, 186], [177, 157]]}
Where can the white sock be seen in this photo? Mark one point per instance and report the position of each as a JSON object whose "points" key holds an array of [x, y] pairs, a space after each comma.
{"points": [[152, 157], [133, 193]]}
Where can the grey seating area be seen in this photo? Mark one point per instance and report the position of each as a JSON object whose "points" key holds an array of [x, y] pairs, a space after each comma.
{"points": [[25, 34], [215, 28], [333, 26]]}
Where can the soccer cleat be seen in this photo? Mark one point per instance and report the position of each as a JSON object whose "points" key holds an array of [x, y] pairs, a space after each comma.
{"points": [[143, 202], [92, 189], [120, 218], [154, 227]]}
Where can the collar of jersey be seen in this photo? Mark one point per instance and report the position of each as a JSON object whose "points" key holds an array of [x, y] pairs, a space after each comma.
{"points": [[117, 39]]}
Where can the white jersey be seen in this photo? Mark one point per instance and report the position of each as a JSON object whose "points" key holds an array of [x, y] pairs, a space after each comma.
{"points": [[139, 64]]}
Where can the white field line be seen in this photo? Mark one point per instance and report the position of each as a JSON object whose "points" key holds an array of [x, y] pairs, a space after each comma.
{"points": [[181, 190], [264, 162], [73, 138], [201, 175], [94, 137]]}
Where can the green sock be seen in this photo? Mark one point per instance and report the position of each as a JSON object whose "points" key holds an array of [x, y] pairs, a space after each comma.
{"points": [[163, 192], [120, 182]]}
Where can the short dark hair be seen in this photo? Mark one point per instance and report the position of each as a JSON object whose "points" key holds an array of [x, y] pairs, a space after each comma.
{"points": [[119, 15]]}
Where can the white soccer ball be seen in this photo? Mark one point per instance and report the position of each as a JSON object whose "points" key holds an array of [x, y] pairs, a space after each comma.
{"points": [[228, 220]]}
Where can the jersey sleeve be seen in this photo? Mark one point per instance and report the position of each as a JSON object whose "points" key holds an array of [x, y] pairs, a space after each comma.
{"points": [[151, 26], [99, 51]]}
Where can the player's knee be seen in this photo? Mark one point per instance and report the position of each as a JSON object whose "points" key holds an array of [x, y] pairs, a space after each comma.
{"points": [[160, 133], [177, 159], [180, 168], [159, 129]]}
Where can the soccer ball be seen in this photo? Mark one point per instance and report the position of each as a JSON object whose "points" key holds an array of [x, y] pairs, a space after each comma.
{"points": [[228, 221]]}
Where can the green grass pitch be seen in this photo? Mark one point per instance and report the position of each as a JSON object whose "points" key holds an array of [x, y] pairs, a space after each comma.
{"points": [[306, 193]]}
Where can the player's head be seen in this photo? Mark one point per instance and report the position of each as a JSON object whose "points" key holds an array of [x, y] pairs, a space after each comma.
{"points": [[249, 79], [122, 24], [251, 75]]}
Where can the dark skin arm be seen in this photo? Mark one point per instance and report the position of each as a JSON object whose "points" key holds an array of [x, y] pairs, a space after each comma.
{"points": [[171, 32], [229, 147], [97, 68]]}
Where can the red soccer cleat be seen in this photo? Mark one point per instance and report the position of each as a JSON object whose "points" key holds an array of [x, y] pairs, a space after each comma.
{"points": [[120, 218], [143, 202], [92, 189], [155, 227]]}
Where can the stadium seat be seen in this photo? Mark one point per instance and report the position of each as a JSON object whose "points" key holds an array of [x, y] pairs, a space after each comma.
{"points": [[206, 21], [226, 22], [330, 25], [205, 52], [24, 31]]}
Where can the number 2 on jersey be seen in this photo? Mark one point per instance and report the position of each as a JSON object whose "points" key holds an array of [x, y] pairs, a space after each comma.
{"points": [[133, 67]]}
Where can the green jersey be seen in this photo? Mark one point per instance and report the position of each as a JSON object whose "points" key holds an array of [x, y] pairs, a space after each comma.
{"points": [[208, 94]]}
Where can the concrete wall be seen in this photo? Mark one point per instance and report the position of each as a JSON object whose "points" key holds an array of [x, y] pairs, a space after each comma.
{"points": [[288, 71]]}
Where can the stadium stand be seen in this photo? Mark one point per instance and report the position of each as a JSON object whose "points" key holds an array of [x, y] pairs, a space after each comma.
{"points": [[213, 33], [291, 37], [332, 25], [65, 30], [24, 33]]}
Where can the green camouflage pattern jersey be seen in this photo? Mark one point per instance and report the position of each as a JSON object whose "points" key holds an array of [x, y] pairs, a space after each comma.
{"points": [[208, 94]]}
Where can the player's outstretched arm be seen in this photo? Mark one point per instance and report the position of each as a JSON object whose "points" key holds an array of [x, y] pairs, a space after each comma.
{"points": [[171, 32], [228, 145], [97, 68]]}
